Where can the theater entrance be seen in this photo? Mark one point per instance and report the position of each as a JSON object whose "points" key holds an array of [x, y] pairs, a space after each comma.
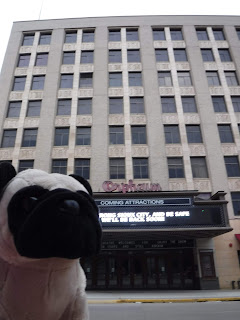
{"points": [[166, 269]]}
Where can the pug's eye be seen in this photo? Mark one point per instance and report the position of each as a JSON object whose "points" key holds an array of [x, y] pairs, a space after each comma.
{"points": [[28, 203]]}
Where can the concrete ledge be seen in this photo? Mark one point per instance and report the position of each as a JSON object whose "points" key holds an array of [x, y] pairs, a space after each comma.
{"points": [[162, 300]]}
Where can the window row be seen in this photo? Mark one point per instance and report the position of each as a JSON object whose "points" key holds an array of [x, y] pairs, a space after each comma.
{"points": [[132, 34]]}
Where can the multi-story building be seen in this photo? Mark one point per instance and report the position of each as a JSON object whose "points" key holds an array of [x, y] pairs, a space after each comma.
{"points": [[147, 109]]}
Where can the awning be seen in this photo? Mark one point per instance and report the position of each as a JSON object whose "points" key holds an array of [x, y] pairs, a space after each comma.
{"points": [[237, 236]]}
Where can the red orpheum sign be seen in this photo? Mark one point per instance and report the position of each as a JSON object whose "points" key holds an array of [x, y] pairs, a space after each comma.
{"points": [[109, 186]]}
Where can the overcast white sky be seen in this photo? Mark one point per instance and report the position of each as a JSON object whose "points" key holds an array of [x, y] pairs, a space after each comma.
{"points": [[21, 10]]}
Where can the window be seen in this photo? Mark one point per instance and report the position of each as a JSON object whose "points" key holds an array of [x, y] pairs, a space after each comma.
{"points": [[164, 79], [171, 134], [8, 139], [82, 168], [236, 203], [194, 134], [224, 55], [139, 135], [66, 81], [231, 78], [115, 56], [68, 57], [19, 83], [135, 79], [59, 166], [114, 35], [64, 107], [115, 105], [176, 34], [161, 55], [207, 55], [175, 168], [189, 104], [14, 109], [25, 164], [184, 79], [225, 133], [158, 34], [116, 135], [180, 54], [136, 105], [212, 78], [41, 59], [218, 34], [132, 35], [202, 34], [38, 82], [28, 39], [236, 103], [232, 166], [29, 137], [133, 55], [45, 38], [61, 136], [71, 37], [83, 136], [34, 108], [168, 105], [219, 104], [199, 167], [84, 106], [86, 80], [117, 168], [24, 60], [115, 79], [87, 57], [238, 32], [140, 168], [88, 36]]}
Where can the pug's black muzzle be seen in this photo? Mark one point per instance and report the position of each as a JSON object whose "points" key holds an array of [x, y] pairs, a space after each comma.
{"points": [[58, 223]]}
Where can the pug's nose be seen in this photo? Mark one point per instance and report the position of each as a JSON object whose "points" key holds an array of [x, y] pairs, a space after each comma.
{"points": [[69, 207]]}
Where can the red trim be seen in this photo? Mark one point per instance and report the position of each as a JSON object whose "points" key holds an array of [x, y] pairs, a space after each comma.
{"points": [[237, 236]]}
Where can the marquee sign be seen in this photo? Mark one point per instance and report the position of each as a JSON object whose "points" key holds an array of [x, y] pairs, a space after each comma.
{"points": [[109, 186], [158, 213]]}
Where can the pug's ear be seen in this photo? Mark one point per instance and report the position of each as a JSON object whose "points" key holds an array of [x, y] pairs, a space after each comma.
{"points": [[83, 181], [7, 172]]}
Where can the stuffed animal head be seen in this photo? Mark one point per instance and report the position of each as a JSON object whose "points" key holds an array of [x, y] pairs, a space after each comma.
{"points": [[46, 215]]}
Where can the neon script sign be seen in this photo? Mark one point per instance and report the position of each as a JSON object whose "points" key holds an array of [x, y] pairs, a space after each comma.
{"points": [[109, 186]]}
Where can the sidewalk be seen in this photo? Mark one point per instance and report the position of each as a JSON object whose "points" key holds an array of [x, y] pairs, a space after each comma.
{"points": [[107, 297]]}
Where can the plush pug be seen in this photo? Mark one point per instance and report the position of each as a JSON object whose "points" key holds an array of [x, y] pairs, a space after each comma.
{"points": [[47, 222]]}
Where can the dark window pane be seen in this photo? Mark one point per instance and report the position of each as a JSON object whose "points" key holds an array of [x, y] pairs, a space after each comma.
{"points": [[189, 104], [194, 134], [232, 166], [14, 109], [38, 82], [158, 34], [238, 33], [115, 56], [8, 139], [180, 54], [225, 133], [175, 168], [115, 105], [172, 134], [139, 135], [231, 78], [29, 138], [34, 108], [24, 60], [61, 136], [132, 35], [19, 83], [161, 55], [218, 34], [136, 105], [117, 168], [45, 38], [236, 103], [59, 166], [116, 135], [207, 55], [69, 57], [71, 37], [25, 164], [64, 107], [114, 35], [213, 79], [168, 105], [199, 167], [133, 55], [84, 106], [164, 79], [202, 34], [41, 59], [66, 81], [236, 203], [82, 168], [224, 55], [83, 137], [87, 57], [28, 39], [135, 79], [140, 168], [219, 104], [115, 79], [88, 36], [176, 34], [184, 79], [85, 80]]}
